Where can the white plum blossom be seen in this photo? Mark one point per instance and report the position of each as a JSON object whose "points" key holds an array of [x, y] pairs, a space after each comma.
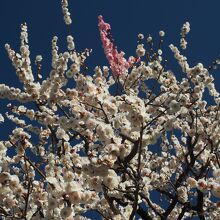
{"points": [[216, 173], [192, 182], [182, 194], [66, 12], [111, 180], [174, 106], [140, 50], [61, 134], [66, 212]]}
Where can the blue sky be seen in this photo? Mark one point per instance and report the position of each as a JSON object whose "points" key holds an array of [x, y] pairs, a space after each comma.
{"points": [[127, 19]]}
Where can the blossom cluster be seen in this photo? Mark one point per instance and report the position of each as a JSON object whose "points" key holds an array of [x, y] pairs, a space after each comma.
{"points": [[119, 65], [66, 13]]}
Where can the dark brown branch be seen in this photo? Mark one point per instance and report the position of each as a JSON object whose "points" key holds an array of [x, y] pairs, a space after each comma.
{"points": [[199, 206], [143, 214], [151, 205], [133, 152], [110, 201]]}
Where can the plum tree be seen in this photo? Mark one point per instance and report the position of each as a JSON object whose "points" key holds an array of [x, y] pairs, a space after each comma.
{"points": [[127, 141]]}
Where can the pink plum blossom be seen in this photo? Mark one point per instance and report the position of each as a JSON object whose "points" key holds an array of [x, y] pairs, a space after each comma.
{"points": [[119, 65]]}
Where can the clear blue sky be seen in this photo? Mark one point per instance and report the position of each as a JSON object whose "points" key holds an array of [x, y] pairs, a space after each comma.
{"points": [[127, 18]]}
